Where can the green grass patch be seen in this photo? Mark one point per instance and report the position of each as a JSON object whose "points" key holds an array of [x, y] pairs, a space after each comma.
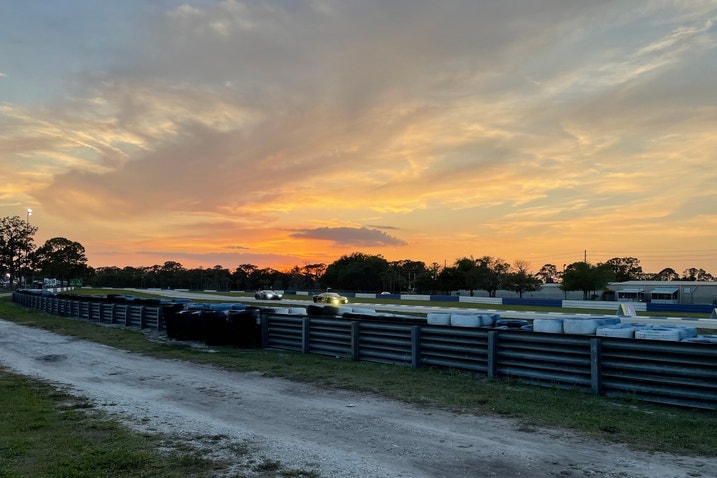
{"points": [[43, 433], [48, 433], [641, 425]]}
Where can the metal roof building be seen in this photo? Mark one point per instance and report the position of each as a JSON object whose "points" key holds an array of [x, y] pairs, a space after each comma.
{"points": [[666, 292]]}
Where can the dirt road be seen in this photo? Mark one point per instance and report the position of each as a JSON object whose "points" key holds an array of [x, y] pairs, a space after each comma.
{"points": [[335, 433]]}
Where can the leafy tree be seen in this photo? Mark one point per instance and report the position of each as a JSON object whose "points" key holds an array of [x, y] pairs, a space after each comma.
{"points": [[61, 258], [548, 274], [585, 277], [450, 278], [428, 281], [401, 275], [357, 271], [16, 245], [520, 280], [171, 274], [667, 274], [268, 278], [491, 272], [245, 276], [625, 268], [470, 273], [313, 272], [217, 278], [114, 276], [694, 274]]}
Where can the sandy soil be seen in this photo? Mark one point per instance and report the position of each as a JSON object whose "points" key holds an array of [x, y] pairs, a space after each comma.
{"points": [[335, 433]]}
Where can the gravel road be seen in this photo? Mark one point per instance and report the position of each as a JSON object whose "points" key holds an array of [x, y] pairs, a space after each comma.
{"points": [[335, 433]]}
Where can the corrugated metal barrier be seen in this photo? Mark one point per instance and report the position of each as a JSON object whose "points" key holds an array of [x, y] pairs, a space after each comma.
{"points": [[674, 373], [129, 315]]}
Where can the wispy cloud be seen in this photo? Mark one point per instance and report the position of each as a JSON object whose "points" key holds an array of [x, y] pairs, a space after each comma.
{"points": [[466, 126], [351, 236]]}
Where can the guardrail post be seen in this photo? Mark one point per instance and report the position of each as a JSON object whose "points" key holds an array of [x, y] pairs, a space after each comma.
{"points": [[264, 331], [415, 346], [595, 366], [492, 354], [355, 346], [305, 335]]}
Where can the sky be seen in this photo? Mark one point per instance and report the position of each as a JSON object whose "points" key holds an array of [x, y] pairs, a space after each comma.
{"points": [[284, 133]]}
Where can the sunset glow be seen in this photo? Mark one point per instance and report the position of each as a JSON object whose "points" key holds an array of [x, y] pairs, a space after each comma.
{"points": [[282, 133]]}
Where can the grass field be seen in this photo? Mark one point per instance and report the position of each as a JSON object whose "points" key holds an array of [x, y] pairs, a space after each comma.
{"points": [[640, 425]]}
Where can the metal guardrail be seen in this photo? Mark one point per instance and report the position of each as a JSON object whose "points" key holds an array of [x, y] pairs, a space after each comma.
{"points": [[674, 373], [128, 315]]}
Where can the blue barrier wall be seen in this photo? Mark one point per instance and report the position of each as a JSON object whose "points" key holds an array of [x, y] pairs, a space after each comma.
{"points": [[533, 302], [691, 308]]}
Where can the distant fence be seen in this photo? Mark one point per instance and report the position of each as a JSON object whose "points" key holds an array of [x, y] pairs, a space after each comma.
{"points": [[674, 373], [536, 302], [98, 310]]}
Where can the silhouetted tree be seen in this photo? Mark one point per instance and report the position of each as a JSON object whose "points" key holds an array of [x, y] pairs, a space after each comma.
{"points": [[62, 259], [520, 280], [548, 274], [357, 271], [667, 274], [491, 273], [625, 268], [585, 277], [694, 274], [16, 246]]}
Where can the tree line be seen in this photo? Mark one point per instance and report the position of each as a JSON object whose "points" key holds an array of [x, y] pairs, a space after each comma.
{"points": [[22, 262]]}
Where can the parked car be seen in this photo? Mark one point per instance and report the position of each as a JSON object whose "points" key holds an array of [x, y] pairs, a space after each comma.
{"points": [[267, 295], [330, 298]]}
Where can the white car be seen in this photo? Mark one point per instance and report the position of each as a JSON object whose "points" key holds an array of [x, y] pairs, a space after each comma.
{"points": [[267, 295]]}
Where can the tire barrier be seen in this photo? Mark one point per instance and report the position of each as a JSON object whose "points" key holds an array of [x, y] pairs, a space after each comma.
{"points": [[511, 324], [314, 310], [186, 325], [344, 309], [245, 328], [586, 326], [216, 330], [438, 319], [363, 311], [686, 332], [548, 326], [330, 311], [465, 320], [169, 312], [658, 333], [278, 310], [215, 306], [626, 331], [703, 339]]}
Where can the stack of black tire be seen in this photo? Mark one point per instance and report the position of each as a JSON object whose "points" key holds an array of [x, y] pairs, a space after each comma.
{"points": [[238, 328]]}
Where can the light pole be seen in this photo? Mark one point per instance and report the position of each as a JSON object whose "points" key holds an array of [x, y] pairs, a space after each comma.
{"points": [[27, 243]]}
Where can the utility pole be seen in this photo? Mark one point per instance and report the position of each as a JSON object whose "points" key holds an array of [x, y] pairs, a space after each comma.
{"points": [[585, 256]]}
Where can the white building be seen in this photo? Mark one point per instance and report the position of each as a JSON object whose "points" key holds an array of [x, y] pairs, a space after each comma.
{"points": [[665, 292]]}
